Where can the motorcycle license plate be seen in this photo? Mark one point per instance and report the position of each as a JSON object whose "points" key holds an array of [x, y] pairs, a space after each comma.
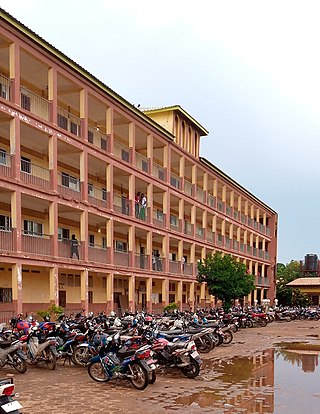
{"points": [[194, 354], [11, 406]]}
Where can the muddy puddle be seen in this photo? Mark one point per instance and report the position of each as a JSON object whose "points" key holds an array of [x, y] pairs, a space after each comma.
{"points": [[284, 380]]}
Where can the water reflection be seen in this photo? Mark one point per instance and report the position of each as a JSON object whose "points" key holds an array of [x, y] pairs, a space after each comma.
{"points": [[280, 381]]}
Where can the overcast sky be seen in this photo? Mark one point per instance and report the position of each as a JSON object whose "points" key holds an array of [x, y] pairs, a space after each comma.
{"points": [[248, 71]]}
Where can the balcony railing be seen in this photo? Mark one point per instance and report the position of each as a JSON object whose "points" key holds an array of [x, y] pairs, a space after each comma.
{"points": [[174, 267], [141, 261], [228, 242], [236, 215], [175, 180], [5, 165], [65, 249], [159, 172], [157, 264], [235, 245], [6, 239], [97, 196], [250, 222], [188, 187], [35, 175], [69, 122], [200, 232], [174, 223], [249, 249], [36, 243], [121, 205], [34, 103], [210, 236], [211, 201], [121, 258], [261, 254], [121, 151], [98, 138], [268, 232], [242, 248], [229, 211], [142, 162], [220, 240], [243, 218], [98, 253], [188, 228], [221, 206], [200, 195], [5, 86], [187, 269]]}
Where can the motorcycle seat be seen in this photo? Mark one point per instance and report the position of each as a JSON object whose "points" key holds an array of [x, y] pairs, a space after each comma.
{"points": [[176, 345], [174, 332], [5, 344]]}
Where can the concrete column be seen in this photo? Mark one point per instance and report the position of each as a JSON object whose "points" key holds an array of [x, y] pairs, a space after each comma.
{"points": [[53, 162], [179, 294], [109, 185], [84, 234], [53, 227], [15, 150], [150, 153], [109, 128], [191, 296], [16, 282], [110, 303], [165, 292], [149, 294], [84, 175], [132, 142], [84, 290], [84, 113], [14, 72], [203, 295], [132, 246], [54, 285], [109, 234], [132, 283], [52, 93]]}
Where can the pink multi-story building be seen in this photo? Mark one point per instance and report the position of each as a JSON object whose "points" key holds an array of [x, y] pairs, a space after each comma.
{"points": [[73, 156]]}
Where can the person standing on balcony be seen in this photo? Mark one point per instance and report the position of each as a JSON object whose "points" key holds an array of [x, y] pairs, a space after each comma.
{"points": [[143, 207], [74, 247], [137, 204]]}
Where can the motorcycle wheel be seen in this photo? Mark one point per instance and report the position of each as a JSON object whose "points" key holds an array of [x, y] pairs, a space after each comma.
{"points": [[19, 364], [80, 356], [192, 370], [204, 345], [50, 359], [96, 372], [152, 377], [227, 337], [249, 323], [263, 322], [140, 378]]}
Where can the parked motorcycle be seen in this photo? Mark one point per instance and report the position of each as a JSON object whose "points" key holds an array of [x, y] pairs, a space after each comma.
{"points": [[7, 403], [39, 348], [11, 354], [107, 365]]}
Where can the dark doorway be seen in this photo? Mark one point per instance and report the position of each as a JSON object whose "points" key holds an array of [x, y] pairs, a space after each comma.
{"points": [[62, 298]]}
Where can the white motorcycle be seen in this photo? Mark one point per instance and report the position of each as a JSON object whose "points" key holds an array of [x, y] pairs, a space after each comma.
{"points": [[7, 403], [11, 354], [41, 349]]}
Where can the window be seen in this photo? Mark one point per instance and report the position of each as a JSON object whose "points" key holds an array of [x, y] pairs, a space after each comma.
{"points": [[3, 91], [172, 287], [173, 220], [125, 155], [161, 175], [104, 194], [70, 182], [159, 215], [74, 128], [144, 165], [104, 242], [90, 189], [91, 240], [63, 233], [90, 296], [5, 295], [25, 102], [32, 228], [121, 246], [70, 280], [25, 165], [103, 144], [104, 283], [63, 122], [3, 157], [5, 222], [90, 137]]}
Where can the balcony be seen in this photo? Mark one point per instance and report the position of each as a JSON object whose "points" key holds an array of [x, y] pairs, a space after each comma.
{"points": [[261, 254], [174, 266], [35, 175], [5, 87], [200, 232], [210, 237], [6, 239], [249, 249], [141, 261], [64, 249], [121, 205], [98, 139], [5, 165], [175, 181], [157, 264], [221, 206], [69, 122], [188, 228], [97, 196], [235, 245], [142, 162], [37, 243], [188, 188], [243, 218], [200, 195], [174, 223], [158, 218], [242, 248], [228, 243], [98, 253], [159, 172], [34, 103], [236, 215], [69, 186], [229, 211], [211, 201], [220, 240], [121, 151], [187, 269], [121, 258]]}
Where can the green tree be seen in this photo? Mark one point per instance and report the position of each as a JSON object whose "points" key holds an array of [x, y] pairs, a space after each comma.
{"points": [[226, 278], [286, 274]]}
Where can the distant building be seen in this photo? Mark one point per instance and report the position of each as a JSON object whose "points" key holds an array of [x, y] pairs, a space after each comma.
{"points": [[310, 266]]}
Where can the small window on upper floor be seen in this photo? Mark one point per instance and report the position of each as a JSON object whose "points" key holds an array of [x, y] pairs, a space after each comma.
{"points": [[25, 165]]}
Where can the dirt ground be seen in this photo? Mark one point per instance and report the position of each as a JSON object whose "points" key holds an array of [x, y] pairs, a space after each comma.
{"points": [[70, 390]]}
